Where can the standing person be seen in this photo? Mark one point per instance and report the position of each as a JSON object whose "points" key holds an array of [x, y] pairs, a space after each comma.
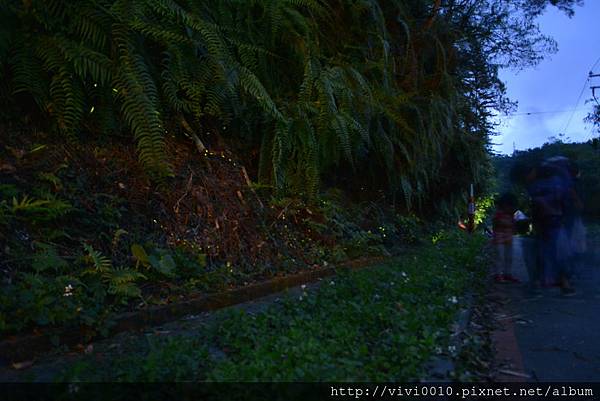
{"points": [[525, 174], [550, 195], [532, 260], [573, 208], [503, 231]]}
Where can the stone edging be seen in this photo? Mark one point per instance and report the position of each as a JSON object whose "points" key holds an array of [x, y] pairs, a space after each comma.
{"points": [[26, 347], [440, 368]]}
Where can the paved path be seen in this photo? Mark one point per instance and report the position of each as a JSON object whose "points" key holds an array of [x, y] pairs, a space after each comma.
{"points": [[551, 337]]}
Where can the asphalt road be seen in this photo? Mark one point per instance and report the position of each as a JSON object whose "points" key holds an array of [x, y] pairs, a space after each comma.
{"points": [[557, 337]]}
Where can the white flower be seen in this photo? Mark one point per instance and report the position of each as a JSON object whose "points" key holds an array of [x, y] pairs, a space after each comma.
{"points": [[331, 282], [303, 286], [68, 291], [438, 350], [452, 349], [453, 300]]}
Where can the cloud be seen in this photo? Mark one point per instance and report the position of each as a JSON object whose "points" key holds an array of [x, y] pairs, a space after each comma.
{"points": [[556, 84]]}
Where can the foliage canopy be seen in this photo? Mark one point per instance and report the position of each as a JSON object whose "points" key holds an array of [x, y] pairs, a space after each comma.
{"points": [[395, 94]]}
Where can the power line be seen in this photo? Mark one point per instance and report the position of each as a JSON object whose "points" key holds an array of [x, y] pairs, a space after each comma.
{"points": [[593, 88], [564, 131], [529, 113], [587, 79], [595, 64]]}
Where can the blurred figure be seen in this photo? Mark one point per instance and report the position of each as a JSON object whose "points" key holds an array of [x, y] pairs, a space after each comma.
{"points": [[550, 190], [530, 251], [524, 174], [503, 229], [573, 209], [522, 223]]}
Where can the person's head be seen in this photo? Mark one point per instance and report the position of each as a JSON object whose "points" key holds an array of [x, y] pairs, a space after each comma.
{"points": [[507, 202], [568, 166], [522, 172], [574, 170], [548, 169]]}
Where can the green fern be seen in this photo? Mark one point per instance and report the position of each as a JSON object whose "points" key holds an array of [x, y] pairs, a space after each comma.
{"points": [[39, 210], [120, 281], [99, 263], [315, 86]]}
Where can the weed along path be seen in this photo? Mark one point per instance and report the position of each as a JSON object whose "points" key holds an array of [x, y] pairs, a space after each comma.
{"points": [[27, 347], [380, 323]]}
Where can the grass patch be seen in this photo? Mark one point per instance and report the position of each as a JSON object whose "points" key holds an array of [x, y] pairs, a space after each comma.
{"points": [[376, 324]]}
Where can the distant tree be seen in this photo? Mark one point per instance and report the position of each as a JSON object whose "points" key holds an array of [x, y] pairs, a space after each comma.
{"points": [[594, 118], [512, 170], [536, 7]]}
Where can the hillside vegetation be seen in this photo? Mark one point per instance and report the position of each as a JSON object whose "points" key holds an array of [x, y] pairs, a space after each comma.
{"points": [[155, 148]]}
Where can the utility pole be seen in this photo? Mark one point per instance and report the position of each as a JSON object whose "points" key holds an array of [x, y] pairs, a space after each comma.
{"points": [[593, 88], [471, 211], [595, 141]]}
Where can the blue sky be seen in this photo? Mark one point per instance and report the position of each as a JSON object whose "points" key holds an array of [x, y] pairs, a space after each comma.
{"points": [[555, 84]]}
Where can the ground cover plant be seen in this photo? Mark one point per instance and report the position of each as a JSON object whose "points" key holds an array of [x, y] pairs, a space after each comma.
{"points": [[381, 323], [87, 236]]}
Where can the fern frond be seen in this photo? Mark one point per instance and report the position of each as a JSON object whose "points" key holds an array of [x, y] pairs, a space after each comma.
{"points": [[99, 262], [68, 104], [29, 75], [254, 87]]}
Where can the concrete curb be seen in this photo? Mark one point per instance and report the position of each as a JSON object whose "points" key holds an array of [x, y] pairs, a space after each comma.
{"points": [[26, 347], [440, 368]]}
